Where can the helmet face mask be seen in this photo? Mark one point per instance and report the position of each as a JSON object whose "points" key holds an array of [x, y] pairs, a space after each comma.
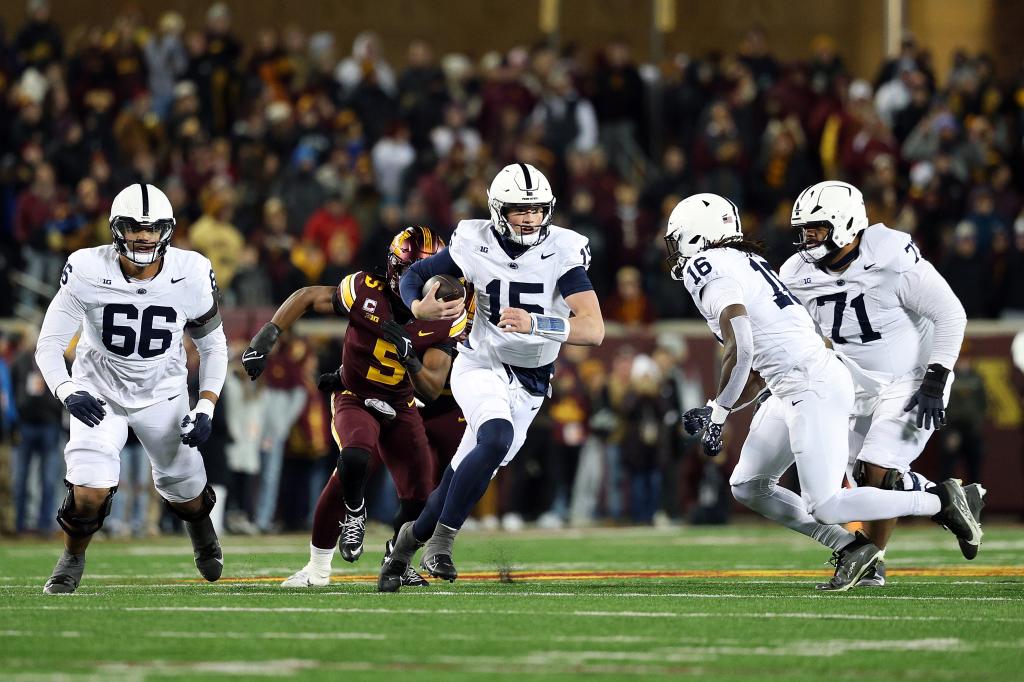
{"points": [[138, 251], [520, 187], [837, 207], [408, 246], [138, 209]]}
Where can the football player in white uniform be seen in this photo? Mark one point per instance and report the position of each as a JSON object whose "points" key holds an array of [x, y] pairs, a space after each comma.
{"points": [[885, 307], [764, 328], [529, 276], [132, 300]]}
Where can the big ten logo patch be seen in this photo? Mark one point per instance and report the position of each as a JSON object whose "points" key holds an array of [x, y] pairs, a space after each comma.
{"points": [[369, 308]]}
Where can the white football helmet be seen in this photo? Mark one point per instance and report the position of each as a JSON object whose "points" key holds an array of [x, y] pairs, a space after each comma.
{"points": [[837, 206], [141, 207], [515, 186], [697, 222]]}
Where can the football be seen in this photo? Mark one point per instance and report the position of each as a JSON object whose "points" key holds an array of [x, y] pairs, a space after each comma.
{"points": [[451, 289]]}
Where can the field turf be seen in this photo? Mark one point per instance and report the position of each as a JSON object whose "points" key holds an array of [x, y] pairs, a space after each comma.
{"points": [[732, 603]]}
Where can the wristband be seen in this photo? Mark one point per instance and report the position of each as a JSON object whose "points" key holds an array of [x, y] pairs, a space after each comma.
{"points": [[718, 413], [204, 406], [550, 327], [64, 390]]}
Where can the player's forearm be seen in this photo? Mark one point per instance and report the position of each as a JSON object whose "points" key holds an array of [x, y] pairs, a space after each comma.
{"points": [[755, 384], [59, 327], [300, 302], [586, 330], [411, 284], [739, 357], [429, 382]]}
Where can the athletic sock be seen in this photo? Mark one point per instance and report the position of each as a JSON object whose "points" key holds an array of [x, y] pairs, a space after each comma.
{"points": [[320, 559], [441, 542]]}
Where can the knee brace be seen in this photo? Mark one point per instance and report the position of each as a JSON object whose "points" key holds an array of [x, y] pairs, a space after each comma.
{"points": [[82, 526], [207, 499], [891, 480], [495, 438]]}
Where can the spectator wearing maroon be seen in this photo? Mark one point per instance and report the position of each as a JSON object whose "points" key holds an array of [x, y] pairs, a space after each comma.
{"points": [[631, 228], [629, 304], [31, 215], [865, 137], [719, 157], [782, 169], [504, 97]]}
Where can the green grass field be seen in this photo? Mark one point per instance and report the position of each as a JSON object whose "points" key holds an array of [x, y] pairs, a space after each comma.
{"points": [[734, 603]]}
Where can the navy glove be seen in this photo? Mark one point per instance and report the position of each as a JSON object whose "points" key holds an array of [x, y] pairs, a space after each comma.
{"points": [[85, 408], [930, 411], [200, 419], [330, 382], [711, 439], [254, 359], [695, 420], [397, 335]]}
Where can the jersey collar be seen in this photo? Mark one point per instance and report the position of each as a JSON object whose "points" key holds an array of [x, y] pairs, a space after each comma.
{"points": [[845, 261], [511, 249]]}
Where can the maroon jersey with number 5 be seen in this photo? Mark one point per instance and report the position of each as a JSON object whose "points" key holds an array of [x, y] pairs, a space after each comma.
{"points": [[371, 368]]}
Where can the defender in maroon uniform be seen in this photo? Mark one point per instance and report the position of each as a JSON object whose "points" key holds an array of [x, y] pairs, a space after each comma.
{"points": [[444, 424], [383, 348]]}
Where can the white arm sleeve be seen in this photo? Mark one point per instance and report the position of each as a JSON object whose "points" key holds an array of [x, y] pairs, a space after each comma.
{"points": [[924, 291], [730, 395], [213, 360], [63, 319]]}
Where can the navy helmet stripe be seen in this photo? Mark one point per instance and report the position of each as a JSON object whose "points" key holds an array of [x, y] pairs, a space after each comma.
{"points": [[145, 200], [526, 174]]}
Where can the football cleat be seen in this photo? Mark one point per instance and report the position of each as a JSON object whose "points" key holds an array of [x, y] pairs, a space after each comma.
{"points": [[440, 566], [874, 577], [206, 549], [975, 494], [67, 574], [956, 514], [391, 574], [307, 577], [351, 541], [411, 578], [852, 563]]}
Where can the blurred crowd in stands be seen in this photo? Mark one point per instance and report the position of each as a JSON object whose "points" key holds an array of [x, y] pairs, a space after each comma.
{"points": [[291, 159]]}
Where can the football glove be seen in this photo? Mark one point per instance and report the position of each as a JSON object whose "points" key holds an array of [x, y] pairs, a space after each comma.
{"points": [[695, 420], [396, 334], [254, 359], [931, 413], [201, 423], [85, 408], [330, 382], [707, 421], [711, 440]]}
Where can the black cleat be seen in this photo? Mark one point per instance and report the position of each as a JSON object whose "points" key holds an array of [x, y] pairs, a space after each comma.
{"points": [[874, 577], [206, 549], [440, 566], [353, 528], [975, 494], [391, 574], [956, 514], [411, 578], [67, 574], [852, 563]]}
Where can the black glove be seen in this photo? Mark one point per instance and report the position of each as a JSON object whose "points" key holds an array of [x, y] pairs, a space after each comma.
{"points": [[695, 420], [254, 359], [85, 408], [711, 439], [396, 334], [201, 429], [928, 399], [330, 382]]}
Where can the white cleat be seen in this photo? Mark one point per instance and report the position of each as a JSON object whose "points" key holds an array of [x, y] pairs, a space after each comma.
{"points": [[307, 577]]}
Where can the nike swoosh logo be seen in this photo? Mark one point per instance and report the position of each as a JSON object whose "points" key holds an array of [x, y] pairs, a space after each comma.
{"points": [[868, 267], [546, 255], [175, 281], [797, 402], [424, 333], [535, 408], [461, 420], [251, 355], [174, 396]]}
